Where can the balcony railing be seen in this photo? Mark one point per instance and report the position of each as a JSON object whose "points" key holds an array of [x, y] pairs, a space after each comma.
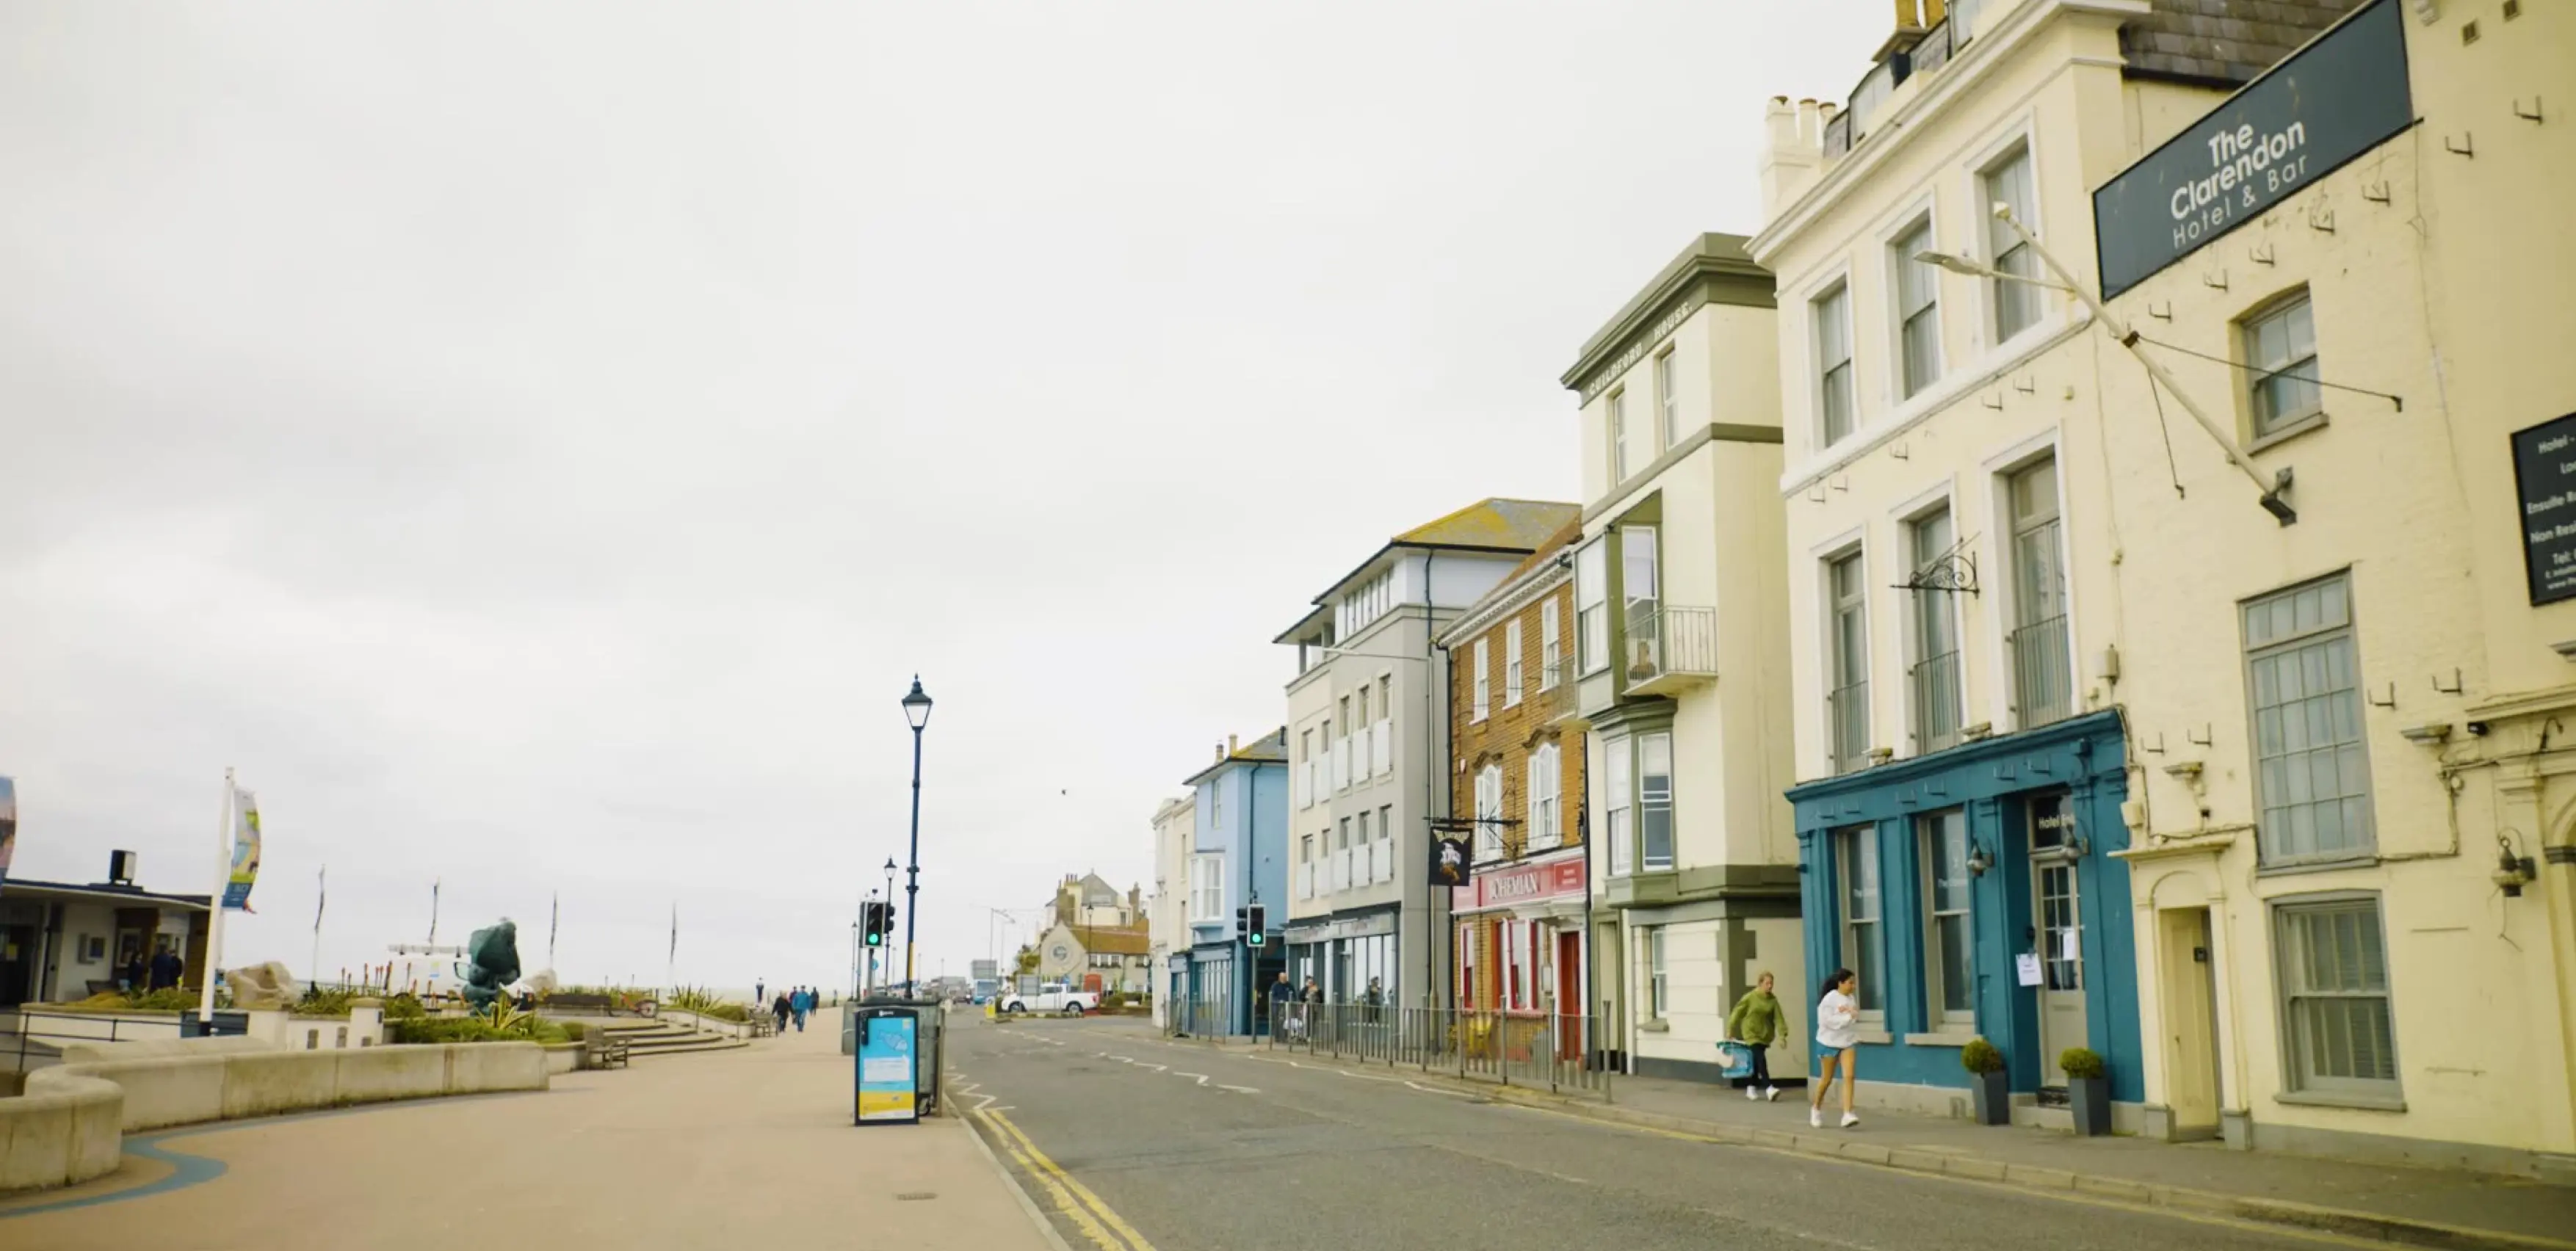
{"points": [[1936, 702], [1670, 648], [1847, 718], [2043, 680]]}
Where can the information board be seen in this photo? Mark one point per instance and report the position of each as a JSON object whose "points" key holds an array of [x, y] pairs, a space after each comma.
{"points": [[2544, 479], [888, 1058]]}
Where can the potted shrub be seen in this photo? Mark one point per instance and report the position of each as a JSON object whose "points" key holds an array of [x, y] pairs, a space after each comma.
{"points": [[1986, 1082], [2088, 1089]]}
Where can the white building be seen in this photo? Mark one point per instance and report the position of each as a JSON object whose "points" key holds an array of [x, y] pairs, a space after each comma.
{"points": [[1167, 925], [1368, 744]]}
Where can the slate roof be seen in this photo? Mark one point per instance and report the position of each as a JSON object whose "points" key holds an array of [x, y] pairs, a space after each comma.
{"points": [[2231, 41]]}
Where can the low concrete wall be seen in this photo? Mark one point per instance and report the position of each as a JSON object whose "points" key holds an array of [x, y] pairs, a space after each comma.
{"points": [[65, 1134], [380, 1073], [154, 1049], [159, 1091], [562, 1058]]}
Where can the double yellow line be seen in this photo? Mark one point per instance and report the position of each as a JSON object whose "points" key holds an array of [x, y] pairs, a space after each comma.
{"points": [[1103, 1226]]}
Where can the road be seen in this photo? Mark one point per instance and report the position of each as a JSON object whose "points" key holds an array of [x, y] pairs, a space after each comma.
{"points": [[1184, 1147]]}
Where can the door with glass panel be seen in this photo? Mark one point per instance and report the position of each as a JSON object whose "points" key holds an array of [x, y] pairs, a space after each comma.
{"points": [[1935, 673], [2057, 908], [1638, 585]]}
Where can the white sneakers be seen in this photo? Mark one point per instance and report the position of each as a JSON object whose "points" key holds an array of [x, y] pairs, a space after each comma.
{"points": [[1850, 1120], [1816, 1117], [1751, 1093], [1772, 1094]]}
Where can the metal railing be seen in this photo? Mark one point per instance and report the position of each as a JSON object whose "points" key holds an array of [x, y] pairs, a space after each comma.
{"points": [[1672, 641], [2043, 683], [27, 1044], [1936, 702], [1847, 721], [1542, 1051], [1191, 1017]]}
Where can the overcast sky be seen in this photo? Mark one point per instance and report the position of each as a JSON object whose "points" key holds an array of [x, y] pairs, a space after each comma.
{"points": [[536, 445]]}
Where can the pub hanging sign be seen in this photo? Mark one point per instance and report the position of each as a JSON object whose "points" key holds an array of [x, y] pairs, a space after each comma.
{"points": [[2342, 95]]}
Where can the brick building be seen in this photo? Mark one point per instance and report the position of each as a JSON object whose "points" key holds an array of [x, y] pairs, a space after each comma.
{"points": [[1516, 787]]}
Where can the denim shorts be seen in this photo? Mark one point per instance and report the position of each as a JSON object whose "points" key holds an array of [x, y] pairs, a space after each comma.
{"points": [[1827, 1054]]}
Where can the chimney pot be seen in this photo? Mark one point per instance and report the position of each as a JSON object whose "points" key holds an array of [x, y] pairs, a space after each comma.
{"points": [[1229, 744]]}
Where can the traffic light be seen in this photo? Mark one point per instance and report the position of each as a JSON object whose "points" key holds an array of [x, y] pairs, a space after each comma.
{"points": [[1242, 921], [876, 920], [1257, 929]]}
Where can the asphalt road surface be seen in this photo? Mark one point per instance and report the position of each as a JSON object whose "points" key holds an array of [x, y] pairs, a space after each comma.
{"points": [[1132, 1143]]}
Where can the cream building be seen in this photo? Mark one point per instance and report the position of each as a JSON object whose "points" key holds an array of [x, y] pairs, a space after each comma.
{"points": [[1167, 910], [1680, 664], [2240, 778], [2353, 864]]}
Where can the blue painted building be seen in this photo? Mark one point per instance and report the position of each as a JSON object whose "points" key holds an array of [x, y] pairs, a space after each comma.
{"points": [[1238, 857], [1978, 891]]}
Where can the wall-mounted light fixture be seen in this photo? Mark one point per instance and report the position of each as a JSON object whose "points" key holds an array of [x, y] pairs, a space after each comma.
{"points": [[1979, 861], [2429, 734]]}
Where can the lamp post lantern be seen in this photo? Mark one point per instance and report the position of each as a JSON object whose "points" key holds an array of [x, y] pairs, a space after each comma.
{"points": [[916, 709]]}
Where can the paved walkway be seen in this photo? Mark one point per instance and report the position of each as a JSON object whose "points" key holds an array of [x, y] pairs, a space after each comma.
{"points": [[750, 1148]]}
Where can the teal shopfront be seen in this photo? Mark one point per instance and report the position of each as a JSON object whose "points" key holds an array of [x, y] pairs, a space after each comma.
{"points": [[1977, 891]]}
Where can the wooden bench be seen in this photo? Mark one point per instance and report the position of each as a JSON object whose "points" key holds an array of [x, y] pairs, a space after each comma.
{"points": [[607, 1049], [581, 1003]]}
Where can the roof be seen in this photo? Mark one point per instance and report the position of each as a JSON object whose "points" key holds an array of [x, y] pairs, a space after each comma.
{"points": [[1113, 940], [1268, 748], [1508, 524], [2226, 41], [1499, 524], [109, 892]]}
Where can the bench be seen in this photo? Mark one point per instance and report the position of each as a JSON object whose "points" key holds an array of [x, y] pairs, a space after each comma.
{"points": [[581, 1003], [606, 1049]]}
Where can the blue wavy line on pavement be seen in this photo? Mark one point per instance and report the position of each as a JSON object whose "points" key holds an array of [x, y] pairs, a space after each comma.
{"points": [[185, 1170]]}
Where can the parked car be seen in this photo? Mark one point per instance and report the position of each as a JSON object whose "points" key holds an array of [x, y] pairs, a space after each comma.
{"points": [[1062, 1000]]}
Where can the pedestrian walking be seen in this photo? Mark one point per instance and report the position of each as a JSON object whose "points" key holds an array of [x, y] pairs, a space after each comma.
{"points": [[779, 1008], [167, 969], [760, 990], [1755, 1022], [1374, 998], [804, 1007], [1283, 997], [1837, 1033]]}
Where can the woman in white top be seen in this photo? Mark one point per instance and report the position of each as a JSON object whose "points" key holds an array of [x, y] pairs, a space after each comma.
{"points": [[1837, 1032]]}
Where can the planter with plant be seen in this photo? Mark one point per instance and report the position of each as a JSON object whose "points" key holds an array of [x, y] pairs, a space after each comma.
{"points": [[2088, 1089], [1987, 1085]]}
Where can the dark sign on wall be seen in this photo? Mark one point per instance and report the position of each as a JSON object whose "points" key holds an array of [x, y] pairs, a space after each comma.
{"points": [[2337, 98], [2544, 478]]}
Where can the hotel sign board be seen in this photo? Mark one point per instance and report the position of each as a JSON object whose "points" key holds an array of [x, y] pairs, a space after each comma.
{"points": [[2342, 95], [2544, 479]]}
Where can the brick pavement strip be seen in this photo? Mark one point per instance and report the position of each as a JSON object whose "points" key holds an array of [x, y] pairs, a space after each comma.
{"points": [[749, 1147], [2384, 1227]]}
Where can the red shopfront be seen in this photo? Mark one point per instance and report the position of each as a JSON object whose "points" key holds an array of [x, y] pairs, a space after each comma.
{"points": [[1519, 941]]}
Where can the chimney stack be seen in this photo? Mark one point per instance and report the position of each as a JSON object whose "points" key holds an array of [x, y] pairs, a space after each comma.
{"points": [[1229, 744], [1793, 153]]}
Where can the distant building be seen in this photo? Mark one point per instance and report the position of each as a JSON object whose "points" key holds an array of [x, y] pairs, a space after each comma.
{"points": [[1097, 957], [60, 941], [1167, 924], [1085, 899], [1369, 735], [1238, 857]]}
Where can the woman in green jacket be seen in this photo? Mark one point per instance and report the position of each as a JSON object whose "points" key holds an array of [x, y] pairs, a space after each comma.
{"points": [[1755, 1023]]}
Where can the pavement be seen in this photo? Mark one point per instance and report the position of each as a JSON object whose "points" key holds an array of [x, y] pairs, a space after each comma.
{"points": [[1132, 1142], [748, 1147]]}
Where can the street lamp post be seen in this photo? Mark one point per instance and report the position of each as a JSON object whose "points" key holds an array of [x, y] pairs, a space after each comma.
{"points": [[885, 974], [916, 709], [2272, 491]]}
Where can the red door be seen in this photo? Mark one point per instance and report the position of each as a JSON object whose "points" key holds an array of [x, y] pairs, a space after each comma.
{"points": [[1569, 995]]}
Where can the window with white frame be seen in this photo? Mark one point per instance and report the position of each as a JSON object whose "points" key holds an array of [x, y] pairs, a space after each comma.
{"points": [[1489, 812], [1918, 309], [1668, 405], [1207, 886], [1935, 695], [1626, 449], [1950, 985], [1847, 644], [1618, 805], [1484, 684], [2281, 355], [1856, 871], [1546, 827], [1386, 820], [1835, 396], [1363, 836], [2008, 181], [2311, 772], [2042, 648], [1512, 663], [1306, 866], [1362, 704], [2335, 1009], [1551, 646], [1366, 603], [1658, 988], [1641, 587], [1592, 605], [1655, 801]]}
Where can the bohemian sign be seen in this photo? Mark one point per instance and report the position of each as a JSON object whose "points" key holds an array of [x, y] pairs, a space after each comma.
{"points": [[2337, 98], [2544, 477]]}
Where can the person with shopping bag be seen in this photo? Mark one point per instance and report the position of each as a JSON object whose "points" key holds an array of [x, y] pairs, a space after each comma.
{"points": [[1756, 1023]]}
